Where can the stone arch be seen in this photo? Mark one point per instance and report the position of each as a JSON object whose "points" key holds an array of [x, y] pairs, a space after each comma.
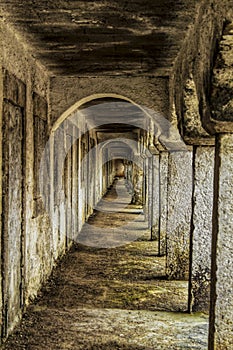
{"points": [[127, 142], [162, 129], [89, 98]]}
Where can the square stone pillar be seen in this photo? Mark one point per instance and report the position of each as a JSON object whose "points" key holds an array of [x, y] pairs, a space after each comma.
{"points": [[221, 308], [146, 188], [179, 214], [149, 185], [201, 235], [137, 189], [163, 179], [155, 205]]}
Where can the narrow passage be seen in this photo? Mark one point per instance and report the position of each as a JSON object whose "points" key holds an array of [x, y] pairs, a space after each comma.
{"points": [[114, 297]]}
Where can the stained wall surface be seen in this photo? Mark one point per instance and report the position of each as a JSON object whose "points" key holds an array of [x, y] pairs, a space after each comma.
{"points": [[46, 193]]}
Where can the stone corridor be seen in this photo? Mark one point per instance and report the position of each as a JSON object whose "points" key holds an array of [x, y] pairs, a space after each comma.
{"points": [[112, 298], [116, 176]]}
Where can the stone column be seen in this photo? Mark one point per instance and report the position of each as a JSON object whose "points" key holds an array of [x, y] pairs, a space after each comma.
{"points": [[221, 309], [179, 214], [201, 228], [130, 179], [155, 195], [146, 189], [150, 189], [137, 190], [74, 185], [163, 175]]}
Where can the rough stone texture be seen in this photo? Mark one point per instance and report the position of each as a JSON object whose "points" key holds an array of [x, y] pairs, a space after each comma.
{"points": [[40, 115], [146, 192], [159, 54], [221, 321], [193, 131], [196, 60], [222, 79], [17, 59], [163, 202], [36, 250], [155, 205], [201, 228], [12, 194], [58, 212], [179, 214], [1, 169], [27, 257], [131, 176], [80, 38], [137, 185], [151, 92], [68, 182], [74, 177], [150, 189]]}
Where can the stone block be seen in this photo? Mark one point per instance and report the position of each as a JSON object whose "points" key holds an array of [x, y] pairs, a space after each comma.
{"points": [[179, 214], [221, 310], [13, 224], [201, 228]]}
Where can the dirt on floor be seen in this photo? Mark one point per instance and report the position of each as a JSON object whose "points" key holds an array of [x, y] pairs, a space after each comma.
{"points": [[111, 297]]}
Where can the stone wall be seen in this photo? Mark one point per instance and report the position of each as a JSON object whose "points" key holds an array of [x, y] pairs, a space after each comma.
{"points": [[151, 92], [201, 228], [39, 222], [179, 207], [26, 244], [12, 197], [30, 104], [193, 69], [221, 309]]}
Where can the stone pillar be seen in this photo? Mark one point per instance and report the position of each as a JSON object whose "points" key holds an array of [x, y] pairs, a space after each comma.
{"points": [[74, 185], [137, 197], [146, 189], [221, 309], [179, 214], [150, 189], [163, 175], [201, 235], [68, 183], [130, 179], [155, 195]]}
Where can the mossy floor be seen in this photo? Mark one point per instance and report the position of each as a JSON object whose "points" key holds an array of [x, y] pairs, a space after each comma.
{"points": [[112, 297]]}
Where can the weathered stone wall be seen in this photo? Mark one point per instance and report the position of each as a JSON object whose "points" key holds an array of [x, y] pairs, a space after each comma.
{"points": [[163, 179], [31, 102], [222, 80], [201, 235], [193, 68], [26, 228], [155, 194], [151, 92], [30, 244], [80, 177], [203, 69], [12, 198], [38, 227], [221, 311], [180, 174]]}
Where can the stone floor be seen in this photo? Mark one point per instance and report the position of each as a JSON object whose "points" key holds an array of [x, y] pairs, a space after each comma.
{"points": [[106, 294]]}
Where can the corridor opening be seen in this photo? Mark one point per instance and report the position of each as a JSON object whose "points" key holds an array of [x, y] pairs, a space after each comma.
{"points": [[120, 225], [120, 168], [100, 134]]}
